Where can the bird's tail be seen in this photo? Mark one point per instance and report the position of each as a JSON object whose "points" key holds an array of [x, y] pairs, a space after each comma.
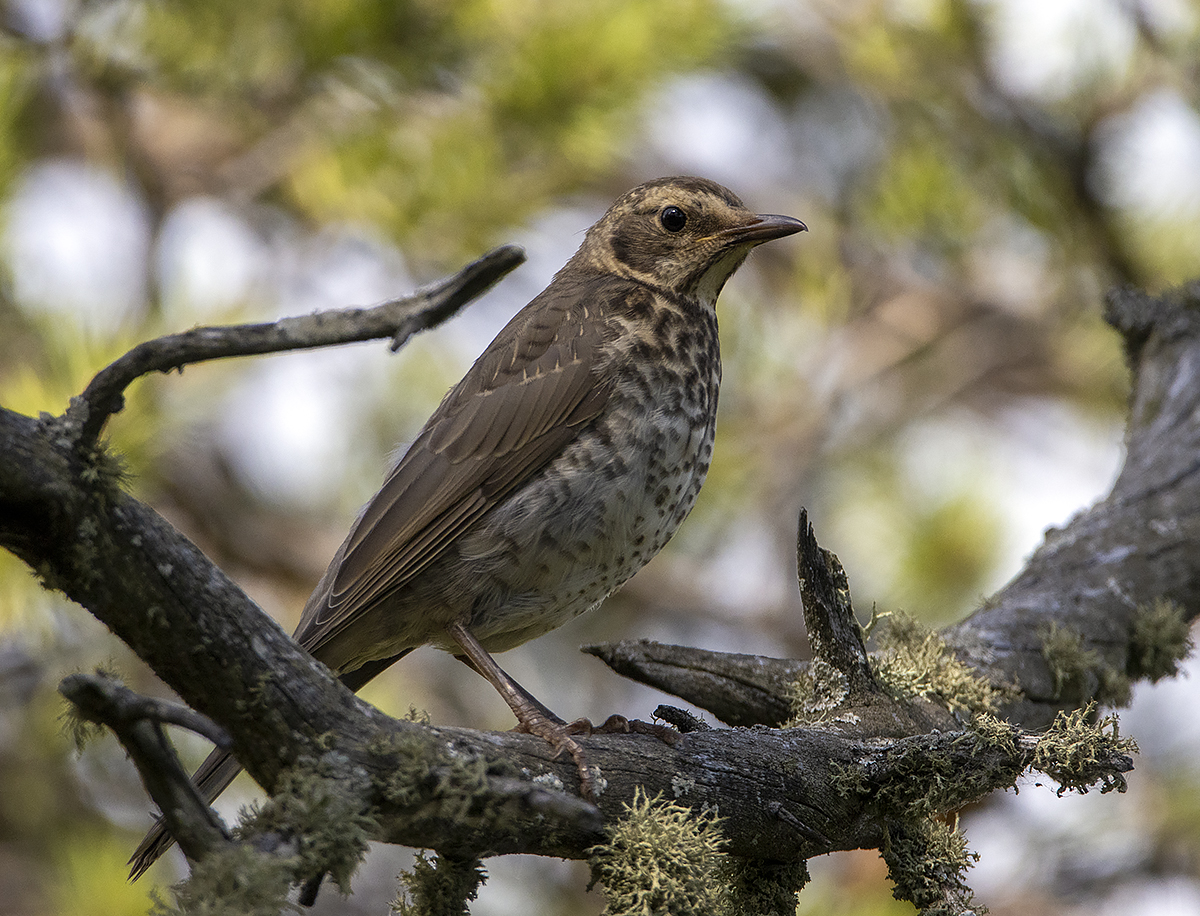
{"points": [[219, 770], [213, 777]]}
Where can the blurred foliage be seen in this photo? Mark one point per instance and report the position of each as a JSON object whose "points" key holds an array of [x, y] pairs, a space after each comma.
{"points": [[405, 114], [964, 227], [89, 877], [852, 885]]}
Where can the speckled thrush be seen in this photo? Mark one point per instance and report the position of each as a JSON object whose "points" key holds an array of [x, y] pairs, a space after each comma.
{"points": [[560, 464]]}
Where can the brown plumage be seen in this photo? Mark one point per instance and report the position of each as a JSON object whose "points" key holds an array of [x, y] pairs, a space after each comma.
{"points": [[560, 464]]}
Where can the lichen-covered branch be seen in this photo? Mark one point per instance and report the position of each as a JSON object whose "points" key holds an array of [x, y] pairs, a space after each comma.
{"points": [[1105, 600], [1118, 582], [833, 633], [132, 718]]}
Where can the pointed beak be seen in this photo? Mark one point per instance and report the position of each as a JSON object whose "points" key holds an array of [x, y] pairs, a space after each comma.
{"points": [[764, 228]]}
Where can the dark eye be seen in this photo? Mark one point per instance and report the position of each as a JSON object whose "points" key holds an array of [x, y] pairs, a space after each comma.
{"points": [[673, 219]]}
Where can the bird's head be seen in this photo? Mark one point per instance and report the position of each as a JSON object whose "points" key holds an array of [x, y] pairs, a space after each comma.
{"points": [[687, 235]]}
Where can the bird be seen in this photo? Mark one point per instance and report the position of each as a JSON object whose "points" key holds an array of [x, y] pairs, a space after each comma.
{"points": [[563, 461]]}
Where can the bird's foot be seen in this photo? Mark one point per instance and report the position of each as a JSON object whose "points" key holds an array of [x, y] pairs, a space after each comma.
{"points": [[617, 724], [561, 736], [558, 734]]}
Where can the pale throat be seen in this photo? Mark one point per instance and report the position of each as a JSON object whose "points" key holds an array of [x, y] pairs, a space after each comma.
{"points": [[712, 281]]}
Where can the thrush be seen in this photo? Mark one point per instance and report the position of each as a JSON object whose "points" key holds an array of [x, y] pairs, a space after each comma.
{"points": [[561, 463]]}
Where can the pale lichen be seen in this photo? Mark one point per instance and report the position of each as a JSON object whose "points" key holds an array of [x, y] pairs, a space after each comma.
{"points": [[914, 661], [1081, 674], [318, 805], [816, 694], [927, 862], [1079, 753], [1160, 640], [660, 858], [439, 887], [235, 879]]}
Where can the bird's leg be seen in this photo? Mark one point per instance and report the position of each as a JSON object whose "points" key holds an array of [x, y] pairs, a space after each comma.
{"points": [[532, 716], [525, 698]]}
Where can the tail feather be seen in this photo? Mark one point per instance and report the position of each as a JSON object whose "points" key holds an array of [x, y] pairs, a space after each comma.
{"points": [[212, 778], [219, 770]]}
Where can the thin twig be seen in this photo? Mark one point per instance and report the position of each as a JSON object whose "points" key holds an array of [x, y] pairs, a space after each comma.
{"points": [[136, 722], [398, 319]]}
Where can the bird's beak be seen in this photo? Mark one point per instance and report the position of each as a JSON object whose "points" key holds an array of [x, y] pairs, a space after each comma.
{"points": [[762, 228]]}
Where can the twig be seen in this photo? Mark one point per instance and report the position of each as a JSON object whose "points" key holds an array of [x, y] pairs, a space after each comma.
{"points": [[120, 701], [136, 721], [398, 319]]}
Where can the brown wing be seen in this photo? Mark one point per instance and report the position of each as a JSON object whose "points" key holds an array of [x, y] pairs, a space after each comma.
{"points": [[517, 407]]}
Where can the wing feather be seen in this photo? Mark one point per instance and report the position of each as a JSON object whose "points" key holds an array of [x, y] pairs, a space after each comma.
{"points": [[522, 402]]}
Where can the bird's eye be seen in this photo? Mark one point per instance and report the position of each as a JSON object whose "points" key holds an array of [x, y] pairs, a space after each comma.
{"points": [[672, 218]]}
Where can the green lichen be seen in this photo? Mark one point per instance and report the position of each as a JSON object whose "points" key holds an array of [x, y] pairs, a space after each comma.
{"points": [[816, 694], [449, 784], [1160, 640], [1079, 754], [439, 887], [927, 862], [849, 781], [85, 551], [756, 888], [77, 729], [996, 733], [913, 661], [912, 783], [927, 775], [107, 470], [1079, 673], [419, 716], [236, 879], [660, 859], [318, 805]]}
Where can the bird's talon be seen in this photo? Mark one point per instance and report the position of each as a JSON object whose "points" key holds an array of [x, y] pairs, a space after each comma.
{"points": [[664, 733], [582, 727], [616, 724]]}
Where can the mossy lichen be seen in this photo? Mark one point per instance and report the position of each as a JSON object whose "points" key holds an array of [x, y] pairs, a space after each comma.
{"points": [[927, 862], [419, 716], [1081, 674], [1160, 640], [318, 805], [913, 661], [1078, 753], [816, 694], [235, 879], [77, 729], [756, 888], [926, 775], [995, 732], [439, 887], [449, 783], [660, 858]]}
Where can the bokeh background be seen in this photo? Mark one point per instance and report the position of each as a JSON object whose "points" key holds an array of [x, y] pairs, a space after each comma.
{"points": [[926, 370]]}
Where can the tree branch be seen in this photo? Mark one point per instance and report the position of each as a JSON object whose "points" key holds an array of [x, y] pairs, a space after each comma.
{"points": [[1093, 581], [135, 720], [398, 319], [470, 793]]}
